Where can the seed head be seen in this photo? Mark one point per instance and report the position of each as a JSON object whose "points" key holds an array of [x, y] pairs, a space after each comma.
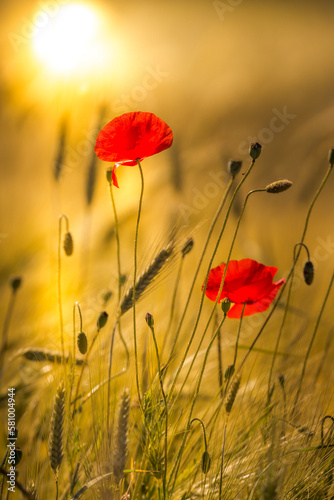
{"points": [[279, 186], [234, 167], [255, 150]]}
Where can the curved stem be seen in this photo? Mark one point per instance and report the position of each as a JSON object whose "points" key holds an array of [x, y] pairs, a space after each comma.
{"points": [[135, 278], [6, 325]]}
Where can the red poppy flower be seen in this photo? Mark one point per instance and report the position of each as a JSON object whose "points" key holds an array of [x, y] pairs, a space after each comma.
{"points": [[131, 137], [246, 282]]}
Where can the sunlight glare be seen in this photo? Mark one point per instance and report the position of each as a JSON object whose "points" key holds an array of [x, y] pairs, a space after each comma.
{"points": [[70, 40]]}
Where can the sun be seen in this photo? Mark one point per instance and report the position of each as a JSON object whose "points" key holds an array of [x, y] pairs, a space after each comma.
{"points": [[70, 41]]}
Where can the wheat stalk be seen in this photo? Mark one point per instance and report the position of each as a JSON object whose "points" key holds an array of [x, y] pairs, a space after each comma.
{"points": [[56, 433], [120, 445], [146, 278]]}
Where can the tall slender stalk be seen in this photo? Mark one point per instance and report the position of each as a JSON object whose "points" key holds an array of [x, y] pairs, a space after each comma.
{"points": [[179, 455], [135, 278], [311, 343], [290, 275], [61, 321], [150, 322], [209, 267]]}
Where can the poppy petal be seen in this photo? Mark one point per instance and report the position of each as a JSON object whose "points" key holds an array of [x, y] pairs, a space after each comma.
{"points": [[259, 306], [133, 136], [113, 177]]}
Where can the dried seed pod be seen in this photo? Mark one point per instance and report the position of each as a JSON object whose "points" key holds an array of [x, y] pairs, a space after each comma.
{"points": [[279, 186], [68, 244], [234, 167], [229, 372], [82, 343], [255, 150], [308, 272], [206, 462]]}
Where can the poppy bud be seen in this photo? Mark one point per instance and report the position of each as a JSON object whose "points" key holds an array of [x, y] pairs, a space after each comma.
{"points": [[82, 343], [68, 244], [206, 462], [308, 272], [149, 320], [225, 305], [255, 150], [278, 186], [331, 156], [234, 167], [102, 320], [187, 247], [15, 283]]}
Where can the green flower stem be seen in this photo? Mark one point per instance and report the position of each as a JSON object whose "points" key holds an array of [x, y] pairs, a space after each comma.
{"points": [[222, 465], [172, 309], [289, 278], [179, 455], [238, 336], [209, 266], [61, 322], [135, 278], [213, 223], [164, 479], [119, 299], [220, 288], [311, 343], [220, 362]]}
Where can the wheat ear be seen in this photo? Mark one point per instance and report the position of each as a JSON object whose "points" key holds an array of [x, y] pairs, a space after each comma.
{"points": [[56, 433], [120, 445], [146, 278]]}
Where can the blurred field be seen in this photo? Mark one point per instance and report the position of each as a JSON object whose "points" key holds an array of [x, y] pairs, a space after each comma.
{"points": [[219, 80]]}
